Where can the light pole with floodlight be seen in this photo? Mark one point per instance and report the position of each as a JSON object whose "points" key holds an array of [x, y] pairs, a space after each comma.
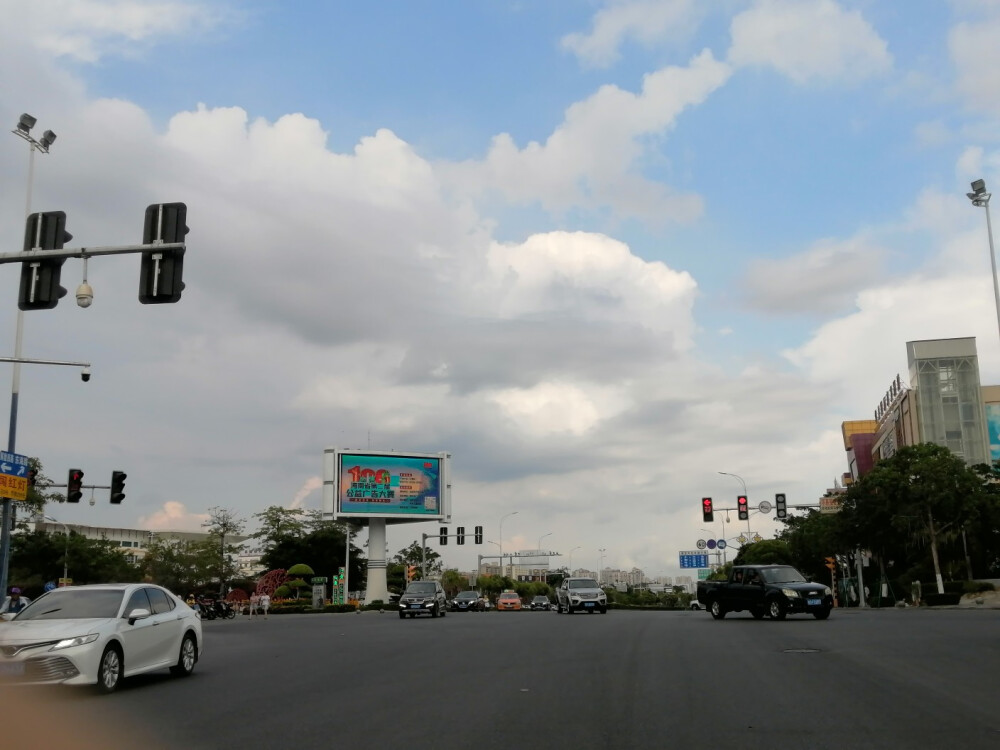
{"points": [[66, 548], [737, 476], [512, 513], [541, 576], [981, 199], [600, 566], [569, 569], [23, 131]]}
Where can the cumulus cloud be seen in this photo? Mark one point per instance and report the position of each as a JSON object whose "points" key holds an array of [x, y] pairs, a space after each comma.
{"points": [[976, 56], [808, 40], [173, 516], [647, 21], [824, 279], [591, 159]]}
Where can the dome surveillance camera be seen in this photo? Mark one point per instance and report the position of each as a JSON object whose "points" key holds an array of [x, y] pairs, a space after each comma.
{"points": [[84, 295], [85, 374]]}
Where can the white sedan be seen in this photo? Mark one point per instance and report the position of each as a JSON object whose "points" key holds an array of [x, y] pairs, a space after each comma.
{"points": [[98, 635]]}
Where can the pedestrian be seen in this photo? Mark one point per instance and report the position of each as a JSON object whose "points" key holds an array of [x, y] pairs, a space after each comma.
{"points": [[254, 601], [16, 603], [265, 604]]}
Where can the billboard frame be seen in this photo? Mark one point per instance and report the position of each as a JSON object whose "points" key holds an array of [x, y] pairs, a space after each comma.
{"points": [[333, 461]]}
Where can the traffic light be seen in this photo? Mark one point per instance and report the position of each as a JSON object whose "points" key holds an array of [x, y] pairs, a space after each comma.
{"points": [[743, 507], [161, 270], [831, 562], [40, 288], [780, 509], [706, 510], [118, 487], [460, 535], [479, 535], [444, 535], [74, 486], [411, 572]]}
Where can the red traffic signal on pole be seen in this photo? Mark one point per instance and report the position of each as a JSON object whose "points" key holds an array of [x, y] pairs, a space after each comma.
{"points": [[707, 513], [743, 507], [74, 485]]}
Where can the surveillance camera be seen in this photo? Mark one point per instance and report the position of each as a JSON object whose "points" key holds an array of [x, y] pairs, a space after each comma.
{"points": [[85, 374], [84, 295], [92, 501]]}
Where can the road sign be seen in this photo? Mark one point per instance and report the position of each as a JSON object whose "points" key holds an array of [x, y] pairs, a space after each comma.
{"points": [[741, 539], [694, 559], [13, 476], [702, 544], [758, 538], [711, 544], [703, 574], [764, 507], [721, 544]]}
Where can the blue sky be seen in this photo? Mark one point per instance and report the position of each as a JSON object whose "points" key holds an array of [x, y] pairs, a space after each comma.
{"points": [[600, 251]]}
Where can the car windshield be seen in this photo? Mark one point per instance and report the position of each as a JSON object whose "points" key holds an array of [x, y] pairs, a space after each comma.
{"points": [[782, 574], [583, 583], [468, 595], [69, 604], [420, 588], [541, 598], [508, 596]]}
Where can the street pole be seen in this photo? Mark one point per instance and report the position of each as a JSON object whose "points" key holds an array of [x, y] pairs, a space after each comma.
{"points": [[24, 126], [569, 569], [981, 199], [541, 576], [737, 476], [512, 513], [66, 548], [600, 568]]}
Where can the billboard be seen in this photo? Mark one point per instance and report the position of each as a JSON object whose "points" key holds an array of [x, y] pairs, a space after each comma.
{"points": [[993, 427], [383, 484]]}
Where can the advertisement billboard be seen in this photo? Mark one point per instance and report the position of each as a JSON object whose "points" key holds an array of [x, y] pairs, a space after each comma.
{"points": [[383, 484], [993, 427]]}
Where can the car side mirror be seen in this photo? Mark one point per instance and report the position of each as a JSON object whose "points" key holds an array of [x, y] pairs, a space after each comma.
{"points": [[137, 614]]}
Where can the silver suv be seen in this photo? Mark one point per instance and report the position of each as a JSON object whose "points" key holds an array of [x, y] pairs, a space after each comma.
{"points": [[585, 594], [423, 598]]}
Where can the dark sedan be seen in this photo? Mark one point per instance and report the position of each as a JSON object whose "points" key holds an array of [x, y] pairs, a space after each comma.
{"points": [[541, 602], [467, 601]]}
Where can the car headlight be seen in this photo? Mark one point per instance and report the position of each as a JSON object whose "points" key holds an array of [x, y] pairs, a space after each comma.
{"points": [[80, 640], [790, 593], [828, 591]]}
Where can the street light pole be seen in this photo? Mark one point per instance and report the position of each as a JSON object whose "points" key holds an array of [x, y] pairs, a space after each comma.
{"points": [[23, 131], [512, 513], [541, 576], [66, 549], [981, 199], [600, 568], [737, 476], [570, 568]]}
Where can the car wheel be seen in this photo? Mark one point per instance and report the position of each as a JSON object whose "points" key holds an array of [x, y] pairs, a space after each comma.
{"points": [[604, 610], [758, 613], [822, 614], [434, 611], [569, 608], [187, 657], [109, 671], [718, 611], [776, 609], [402, 615], [444, 612]]}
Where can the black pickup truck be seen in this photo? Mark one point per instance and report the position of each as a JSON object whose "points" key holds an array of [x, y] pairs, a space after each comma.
{"points": [[772, 590]]}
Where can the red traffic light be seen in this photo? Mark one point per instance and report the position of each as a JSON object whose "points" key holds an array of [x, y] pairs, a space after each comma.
{"points": [[743, 507], [706, 510], [74, 485]]}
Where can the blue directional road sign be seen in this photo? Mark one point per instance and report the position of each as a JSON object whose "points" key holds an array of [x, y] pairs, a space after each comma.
{"points": [[13, 475], [711, 543], [694, 559]]}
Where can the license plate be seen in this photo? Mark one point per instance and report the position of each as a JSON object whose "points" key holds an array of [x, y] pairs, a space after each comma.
{"points": [[588, 604], [13, 669], [415, 606], [814, 602]]}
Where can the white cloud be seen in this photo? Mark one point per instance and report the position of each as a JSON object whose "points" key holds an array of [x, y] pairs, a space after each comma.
{"points": [[808, 40], [173, 516], [592, 158], [823, 279], [648, 21], [88, 30]]}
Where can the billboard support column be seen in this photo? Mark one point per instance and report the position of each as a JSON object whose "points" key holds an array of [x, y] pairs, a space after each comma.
{"points": [[377, 587]]}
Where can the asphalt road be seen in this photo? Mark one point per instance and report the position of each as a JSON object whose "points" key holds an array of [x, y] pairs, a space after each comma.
{"points": [[863, 679]]}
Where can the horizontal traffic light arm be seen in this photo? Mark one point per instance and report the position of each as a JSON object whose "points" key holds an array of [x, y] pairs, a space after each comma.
{"points": [[27, 361], [88, 252]]}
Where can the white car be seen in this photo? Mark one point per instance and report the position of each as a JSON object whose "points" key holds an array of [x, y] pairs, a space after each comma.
{"points": [[98, 635]]}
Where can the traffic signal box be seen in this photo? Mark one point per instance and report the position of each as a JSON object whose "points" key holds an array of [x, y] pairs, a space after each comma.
{"points": [[74, 486], [743, 507], [411, 572], [780, 508], [707, 514], [40, 288], [118, 487], [831, 563], [444, 536], [479, 535], [460, 535], [161, 271]]}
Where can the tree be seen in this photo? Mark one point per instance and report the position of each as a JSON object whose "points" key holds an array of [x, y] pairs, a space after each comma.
{"points": [[33, 505], [767, 552], [415, 555], [812, 537], [452, 581], [277, 522], [181, 566], [322, 549], [924, 493], [221, 523], [38, 557]]}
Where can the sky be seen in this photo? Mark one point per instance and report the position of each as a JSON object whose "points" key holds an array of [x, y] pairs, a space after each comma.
{"points": [[599, 251]]}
